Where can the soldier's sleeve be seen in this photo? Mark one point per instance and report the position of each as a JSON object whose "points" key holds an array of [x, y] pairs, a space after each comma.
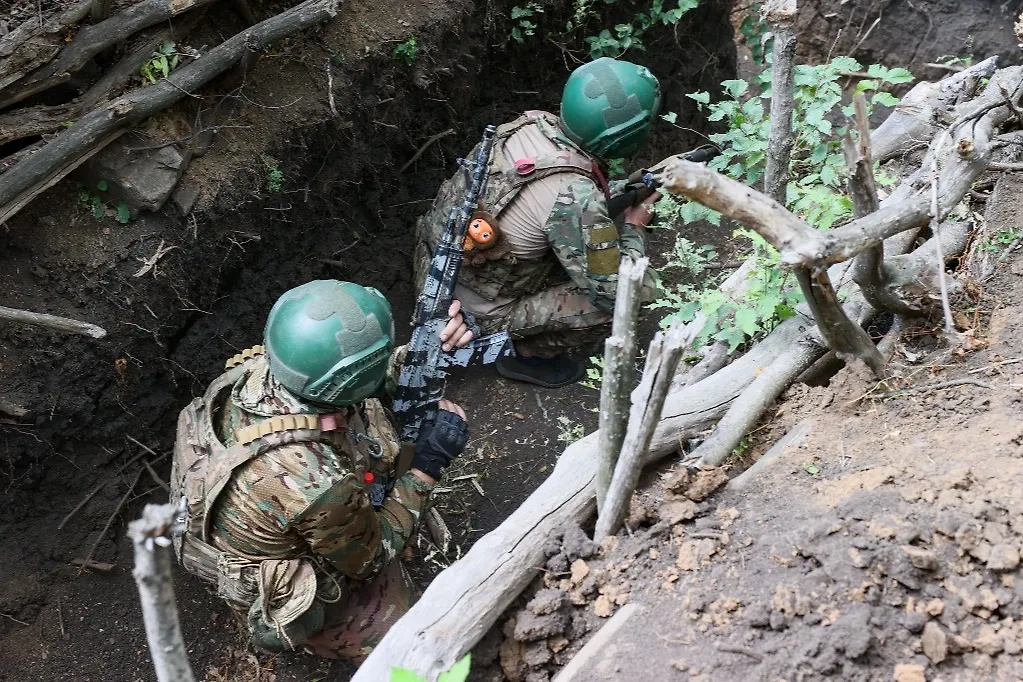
{"points": [[341, 525], [586, 241]]}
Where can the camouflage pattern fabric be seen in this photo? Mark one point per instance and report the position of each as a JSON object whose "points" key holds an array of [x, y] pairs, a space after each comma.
{"points": [[308, 499], [555, 320], [358, 622]]}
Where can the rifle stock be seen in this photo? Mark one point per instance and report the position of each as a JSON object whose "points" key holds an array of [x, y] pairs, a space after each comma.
{"points": [[643, 182]]}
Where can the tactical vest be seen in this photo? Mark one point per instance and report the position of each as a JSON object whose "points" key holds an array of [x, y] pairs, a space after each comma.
{"points": [[508, 276], [203, 466]]}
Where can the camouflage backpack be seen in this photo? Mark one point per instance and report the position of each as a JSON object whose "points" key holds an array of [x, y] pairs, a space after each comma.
{"points": [[507, 275]]}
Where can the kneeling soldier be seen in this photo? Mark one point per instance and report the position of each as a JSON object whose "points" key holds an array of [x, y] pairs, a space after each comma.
{"points": [[281, 461]]}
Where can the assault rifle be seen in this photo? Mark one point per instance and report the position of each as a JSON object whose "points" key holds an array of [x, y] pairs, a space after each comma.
{"points": [[643, 183], [421, 382]]}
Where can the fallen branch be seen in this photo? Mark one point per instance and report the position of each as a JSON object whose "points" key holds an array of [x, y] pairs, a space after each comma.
{"points": [[794, 437], [35, 42], [97, 128], [151, 536], [92, 40], [55, 322], [619, 371], [647, 401]]}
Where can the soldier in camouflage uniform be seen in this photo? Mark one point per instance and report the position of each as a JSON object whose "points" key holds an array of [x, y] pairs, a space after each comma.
{"points": [[298, 501], [551, 276]]}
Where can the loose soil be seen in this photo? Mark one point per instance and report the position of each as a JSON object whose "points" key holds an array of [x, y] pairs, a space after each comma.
{"points": [[884, 546], [344, 212]]}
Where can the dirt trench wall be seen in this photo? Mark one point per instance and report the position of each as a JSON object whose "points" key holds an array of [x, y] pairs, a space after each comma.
{"points": [[909, 33], [340, 200]]}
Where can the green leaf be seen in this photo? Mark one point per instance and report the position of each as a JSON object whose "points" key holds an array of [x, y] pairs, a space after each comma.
{"points": [[899, 75], [784, 311], [403, 675], [670, 117], [123, 213], [746, 319], [734, 88], [812, 469], [884, 99], [845, 64], [102, 186], [168, 48], [458, 672], [162, 66]]}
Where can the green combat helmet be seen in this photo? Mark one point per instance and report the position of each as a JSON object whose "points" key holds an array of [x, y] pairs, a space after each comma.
{"points": [[607, 106], [330, 341]]}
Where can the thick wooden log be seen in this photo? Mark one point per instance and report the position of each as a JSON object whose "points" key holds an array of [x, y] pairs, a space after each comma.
{"points": [[463, 601], [619, 371], [92, 40], [91, 132], [36, 42]]}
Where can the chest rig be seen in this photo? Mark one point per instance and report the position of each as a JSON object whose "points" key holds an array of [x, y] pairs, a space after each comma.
{"points": [[203, 465]]}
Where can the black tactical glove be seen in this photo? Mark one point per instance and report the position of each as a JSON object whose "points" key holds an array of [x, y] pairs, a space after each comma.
{"points": [[439, 443]]}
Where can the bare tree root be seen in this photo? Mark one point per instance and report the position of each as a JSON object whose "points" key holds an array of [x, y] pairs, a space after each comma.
{"points": [[93, 131]]}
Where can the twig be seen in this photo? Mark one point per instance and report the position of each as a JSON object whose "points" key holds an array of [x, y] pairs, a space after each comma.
{"points": [[149, 264], [151, 537], [10, 617], [102, 566], [61, 324], [92, 493], [996, 364], [419, 152], [936, 230], [947, 67], [934, 387], [60, 619], [110, 521], [730, 649], [330, 91], [155, 476], [997, 166]]}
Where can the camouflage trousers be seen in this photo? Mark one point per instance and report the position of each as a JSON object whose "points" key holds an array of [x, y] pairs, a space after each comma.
{"points": [[551, 321], [360, 619]]}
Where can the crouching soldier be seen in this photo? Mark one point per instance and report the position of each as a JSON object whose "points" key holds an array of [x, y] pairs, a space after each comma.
{"points": [[298, 502]]}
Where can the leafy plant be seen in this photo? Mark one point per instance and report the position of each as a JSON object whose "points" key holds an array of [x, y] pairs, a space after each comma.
{"points": [[98, 205], [815, 191], [594, 373], [406, 51], [616, 41], [1001, 240], [274, 179], [757, 34], [164, 60], [524, 20], [458, 672]]}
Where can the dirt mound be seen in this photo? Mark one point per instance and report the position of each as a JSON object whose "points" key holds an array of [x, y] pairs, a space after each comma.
{"points": [[885, 546]]}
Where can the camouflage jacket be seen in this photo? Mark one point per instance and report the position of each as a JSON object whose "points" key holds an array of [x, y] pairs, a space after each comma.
{"points": [[585, 245], [297, 498]]}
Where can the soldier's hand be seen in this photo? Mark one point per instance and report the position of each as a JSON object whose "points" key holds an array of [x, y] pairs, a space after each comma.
{"points": [[456, 333], [640, 214], [440, 441]]}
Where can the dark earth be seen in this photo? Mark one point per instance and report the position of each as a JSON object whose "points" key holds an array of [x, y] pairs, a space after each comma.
{"points": [[344, 211]]}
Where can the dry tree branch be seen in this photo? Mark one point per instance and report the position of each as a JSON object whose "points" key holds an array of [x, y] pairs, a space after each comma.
{"points": [[619, 372], [151, 536], [55, 322]]}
